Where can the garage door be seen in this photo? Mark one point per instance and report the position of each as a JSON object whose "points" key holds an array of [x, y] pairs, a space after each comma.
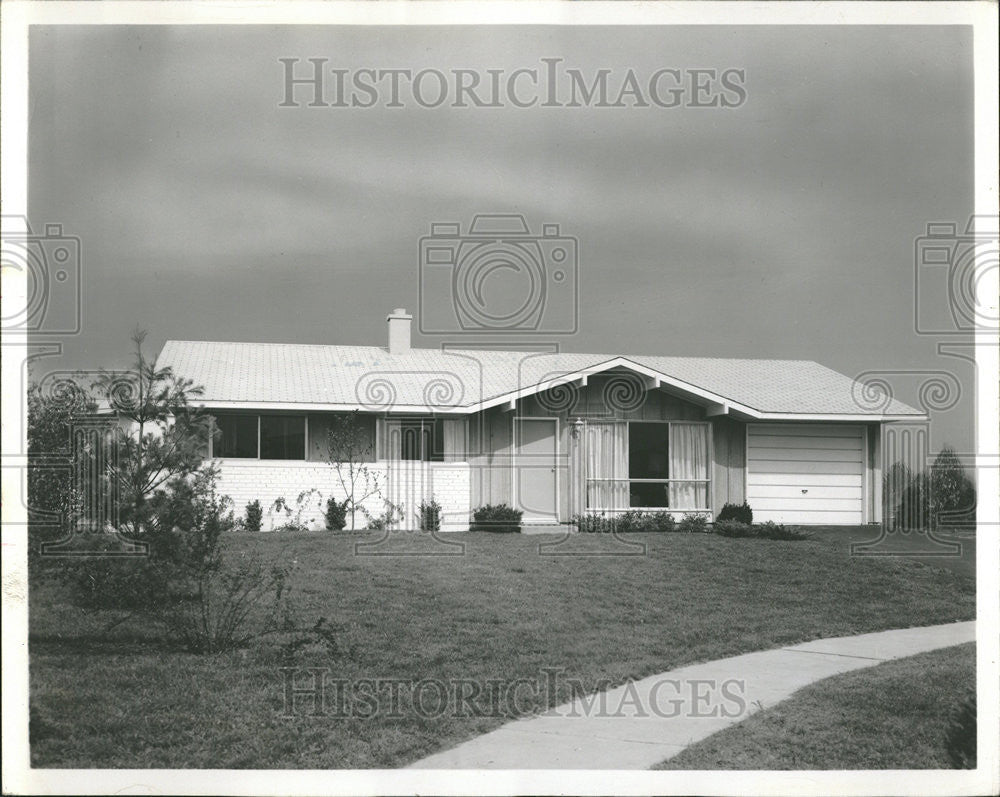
{"points": [[806, 473]]}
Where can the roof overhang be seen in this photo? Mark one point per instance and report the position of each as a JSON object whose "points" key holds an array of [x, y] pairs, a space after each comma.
{"points": [[715, 405], [294, 406], [841, 417]]}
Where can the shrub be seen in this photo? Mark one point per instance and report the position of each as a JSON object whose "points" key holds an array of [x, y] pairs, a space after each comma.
{"points": [[253, 516], [895, 482], [733, 528], [953, 495], [430, 516], [217, 616], [913, 512], [776, 531], [742, 513], [497, 518], [294, 519], [336, 514], [393, 514], [693, 524], [960, 739], [648, 522], [185, 585], [127, 584], [768, 530], [185, 522], [628, 522], [593, 524], [942, 497]]}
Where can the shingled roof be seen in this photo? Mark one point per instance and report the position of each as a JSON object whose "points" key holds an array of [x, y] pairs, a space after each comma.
{"points": [[316, 377]]}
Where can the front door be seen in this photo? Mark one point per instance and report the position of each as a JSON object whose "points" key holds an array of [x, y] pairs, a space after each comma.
{"points": [[535, 478]]}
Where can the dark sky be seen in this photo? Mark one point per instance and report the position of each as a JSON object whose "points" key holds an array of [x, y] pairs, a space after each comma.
{"points": [[782, 228]]}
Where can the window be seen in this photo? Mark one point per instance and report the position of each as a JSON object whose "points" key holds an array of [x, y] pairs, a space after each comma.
{"points": [[689, 465], [646, 465], [416, 440], [424, 439], [282, 437], [260, 436], [648, 445], [237, 437]]}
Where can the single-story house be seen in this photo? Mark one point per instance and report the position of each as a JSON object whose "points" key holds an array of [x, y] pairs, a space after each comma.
{"points": [[553, 434]]}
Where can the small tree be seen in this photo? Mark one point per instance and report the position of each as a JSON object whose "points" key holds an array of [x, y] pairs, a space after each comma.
{"points": [[894, 485], [952, 492], [940, 496], [913, 512], [160, 436], [351, 450], [187, 584]]}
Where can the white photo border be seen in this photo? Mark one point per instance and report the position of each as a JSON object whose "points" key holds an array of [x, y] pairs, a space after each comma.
{"points": [[16, 17]]}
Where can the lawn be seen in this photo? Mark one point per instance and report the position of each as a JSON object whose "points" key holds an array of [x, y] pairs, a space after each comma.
{"points": [[891, 716], [500, 612], [938, 551]]}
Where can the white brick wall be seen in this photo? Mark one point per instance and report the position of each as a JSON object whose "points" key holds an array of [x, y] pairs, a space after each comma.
{"points": [[406, 483], [447, 482]]}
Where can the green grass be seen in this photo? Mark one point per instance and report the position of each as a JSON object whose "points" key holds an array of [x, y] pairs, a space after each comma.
{"points": [[500, 611], [891, 716], [916, 544]]}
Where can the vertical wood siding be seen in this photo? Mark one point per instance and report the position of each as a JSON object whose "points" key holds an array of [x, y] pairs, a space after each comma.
{"points": [[492, 449], [490, 457], [729, 467]]}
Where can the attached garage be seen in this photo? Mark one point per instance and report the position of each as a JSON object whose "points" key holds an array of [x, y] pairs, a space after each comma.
{"points": [[806, 473]]}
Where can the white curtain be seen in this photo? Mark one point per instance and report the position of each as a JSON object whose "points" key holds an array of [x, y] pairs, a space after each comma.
{"points": [[607, 465], [455, 445], [688, 460], [391, 440]]}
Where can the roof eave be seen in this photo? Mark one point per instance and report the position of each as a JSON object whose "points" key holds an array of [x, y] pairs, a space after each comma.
{"points": [[661, 380]]}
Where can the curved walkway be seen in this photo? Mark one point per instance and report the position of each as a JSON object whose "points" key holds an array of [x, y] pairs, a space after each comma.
{"points": [[641, 723]]}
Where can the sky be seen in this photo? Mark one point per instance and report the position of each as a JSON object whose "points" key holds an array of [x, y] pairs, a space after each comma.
{"points": [[783, 227]]}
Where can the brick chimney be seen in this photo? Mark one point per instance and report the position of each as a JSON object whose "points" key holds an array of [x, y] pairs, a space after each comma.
{"points": [[399, 331]]}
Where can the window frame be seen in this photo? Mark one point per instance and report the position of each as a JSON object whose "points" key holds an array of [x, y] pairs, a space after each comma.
{"points": [[258, 415], [435, 424], [708, 482]]}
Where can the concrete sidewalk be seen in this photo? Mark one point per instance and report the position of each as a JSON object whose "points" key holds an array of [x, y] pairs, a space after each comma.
{"points": [[641, 723]]}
